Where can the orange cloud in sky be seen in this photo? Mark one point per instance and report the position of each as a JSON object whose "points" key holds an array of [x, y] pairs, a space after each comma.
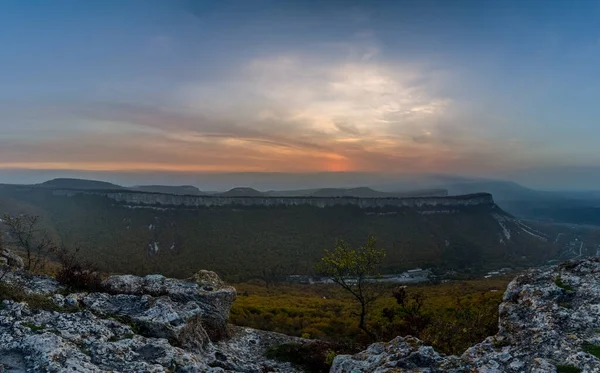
{"points": [[276, 114]]}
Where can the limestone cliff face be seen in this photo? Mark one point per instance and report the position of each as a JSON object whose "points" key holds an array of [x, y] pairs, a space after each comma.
{"points": [[549, 322], [157, 199]]}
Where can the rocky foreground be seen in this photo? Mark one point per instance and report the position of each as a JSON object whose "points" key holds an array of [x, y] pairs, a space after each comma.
{"points": [[549, 322], [137, 324]]}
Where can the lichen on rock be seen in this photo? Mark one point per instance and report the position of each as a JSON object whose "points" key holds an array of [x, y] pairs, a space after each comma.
{"points": [[10, 259], [138, 324], [547, 318]]}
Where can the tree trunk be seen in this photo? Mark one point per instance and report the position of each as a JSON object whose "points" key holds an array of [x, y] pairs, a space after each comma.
{"points": [[361, 324]]}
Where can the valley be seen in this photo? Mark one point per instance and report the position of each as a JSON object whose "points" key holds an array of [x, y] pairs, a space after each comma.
{"points": [[269, 238]]}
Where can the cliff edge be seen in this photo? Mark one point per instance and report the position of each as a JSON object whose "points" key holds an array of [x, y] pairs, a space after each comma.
{"points": [[172, 200], [549, 323]]}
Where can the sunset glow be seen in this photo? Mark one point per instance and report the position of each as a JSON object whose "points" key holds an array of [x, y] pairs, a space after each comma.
{"points": [[185, 88]]}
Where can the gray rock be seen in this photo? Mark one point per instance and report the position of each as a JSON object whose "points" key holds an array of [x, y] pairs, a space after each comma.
{"points": [[207, 278], [11, 259], [156, 326], [244, 351], [546, 317], [193, 302], [180, 323], [33, 284]]}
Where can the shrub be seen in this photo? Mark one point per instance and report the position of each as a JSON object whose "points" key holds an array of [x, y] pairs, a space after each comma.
{"points": [[75, 274], [26, 234], [35, 301], [559, 282], [592, 349], [567, 369], [314, 356]]}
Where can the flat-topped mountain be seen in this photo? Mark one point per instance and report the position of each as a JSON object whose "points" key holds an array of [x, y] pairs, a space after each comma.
{"points": [[241, 192], [552, 207], [365, 192], [249, 197], [360, 192], [144, 232], [81, 184], [168, 189]]}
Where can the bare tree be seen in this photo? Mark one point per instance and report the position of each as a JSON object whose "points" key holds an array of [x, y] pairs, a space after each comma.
{"points": [[4, 269], [25, 232], [351, 269]]}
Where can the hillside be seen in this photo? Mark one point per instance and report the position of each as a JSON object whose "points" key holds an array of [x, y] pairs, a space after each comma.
{"points": [[242, 242], [68, 183], [557, 206], [241, 192], [360, 192], [168, 189], [364, 192]]}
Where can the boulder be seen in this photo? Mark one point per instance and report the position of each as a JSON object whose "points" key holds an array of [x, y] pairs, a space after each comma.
{"points": [[33, 284], [204, 305], [206, 278], [11, 259], [549, 318], [180, 323]]}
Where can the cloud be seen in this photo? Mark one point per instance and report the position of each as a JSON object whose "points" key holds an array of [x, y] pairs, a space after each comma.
{"points": [[342, 108]]}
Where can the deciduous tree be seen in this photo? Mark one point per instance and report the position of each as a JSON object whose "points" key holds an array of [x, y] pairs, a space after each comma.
{"points": [[25, 232], [354, 270]]}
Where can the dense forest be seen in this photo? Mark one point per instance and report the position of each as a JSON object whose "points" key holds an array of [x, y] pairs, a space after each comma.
{"points": [[271, 242]]}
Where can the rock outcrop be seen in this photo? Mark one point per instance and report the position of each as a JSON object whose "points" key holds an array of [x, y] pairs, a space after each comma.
{"points": [[549, 322], [189, 313], [137, 324], [10, 259], [171, 200]]}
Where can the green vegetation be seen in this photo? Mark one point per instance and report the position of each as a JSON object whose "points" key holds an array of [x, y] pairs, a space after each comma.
{"points": [[567, 369], [562, 285], [29, 238], [35, 301], [452, 316], [564, 304], [268, 243], [34, 327], [75, 274], [314, 357], [351, 269], [592, 349]]}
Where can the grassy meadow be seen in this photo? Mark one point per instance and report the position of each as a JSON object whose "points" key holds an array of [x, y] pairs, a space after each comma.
{"points": [[450, 316]]}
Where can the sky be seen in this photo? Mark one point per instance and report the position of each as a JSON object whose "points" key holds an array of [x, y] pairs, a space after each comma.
{"points": [[168, 89]]}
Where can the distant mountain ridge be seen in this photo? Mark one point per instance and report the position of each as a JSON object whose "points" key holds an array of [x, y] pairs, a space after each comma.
{"points": [[70, 183], [168, 189], [562, 207], [241, 192], [143, 232], [360, 192]]}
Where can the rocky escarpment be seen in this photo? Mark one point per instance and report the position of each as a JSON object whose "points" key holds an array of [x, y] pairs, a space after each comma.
{"points": [[137, 324], [158, 199], [549, 322]]}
